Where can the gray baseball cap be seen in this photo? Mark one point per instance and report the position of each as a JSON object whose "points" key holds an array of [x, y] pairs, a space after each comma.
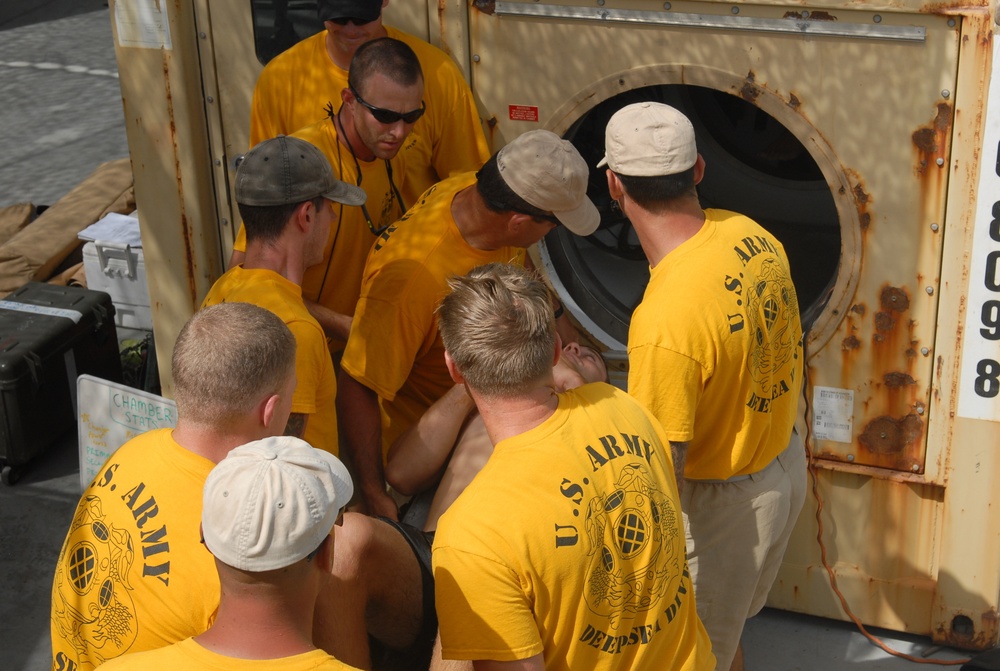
{"points": [[286, 170]]}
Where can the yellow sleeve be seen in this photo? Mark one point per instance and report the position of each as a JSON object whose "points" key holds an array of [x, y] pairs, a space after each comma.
{"points": [[669, 385], [309, 352]]}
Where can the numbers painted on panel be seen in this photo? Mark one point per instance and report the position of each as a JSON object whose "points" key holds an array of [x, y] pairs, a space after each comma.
{"points": [[988, 378]]}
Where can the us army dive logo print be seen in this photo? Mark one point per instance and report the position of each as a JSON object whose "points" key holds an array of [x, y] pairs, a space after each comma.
{"points": [[765, 305]]}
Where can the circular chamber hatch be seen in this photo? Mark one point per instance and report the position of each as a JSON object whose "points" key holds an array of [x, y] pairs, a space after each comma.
{"points": [[754, 165]]}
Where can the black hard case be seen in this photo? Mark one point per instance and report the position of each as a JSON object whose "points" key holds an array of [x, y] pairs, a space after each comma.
{"points": [[48, 336]]}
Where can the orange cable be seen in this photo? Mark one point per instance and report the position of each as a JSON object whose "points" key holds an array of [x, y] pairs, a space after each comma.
{"points": [[833, 578]]}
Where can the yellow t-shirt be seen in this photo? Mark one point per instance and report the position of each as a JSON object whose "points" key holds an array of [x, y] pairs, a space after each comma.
{"points": [[570, 542], [132, 573], [295, 87], [335, 282], [394, 347], [316, 382], [189, 655], [715, 347]]}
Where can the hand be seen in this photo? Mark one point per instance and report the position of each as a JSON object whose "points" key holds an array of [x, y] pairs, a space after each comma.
{"points": [[380, 504]]}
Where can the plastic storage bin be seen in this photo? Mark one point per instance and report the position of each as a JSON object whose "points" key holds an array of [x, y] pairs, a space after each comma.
{"points": [[120, 270]]}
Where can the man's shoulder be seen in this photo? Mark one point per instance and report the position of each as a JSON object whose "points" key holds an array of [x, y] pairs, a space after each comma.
{"points": [[291, 58], [429, 55]]}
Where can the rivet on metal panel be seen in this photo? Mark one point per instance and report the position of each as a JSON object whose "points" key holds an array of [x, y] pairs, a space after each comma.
{"points": [[920, 409], [218, 162], [210, 100], [600, 3], [877, 18], [805, 14], [940, 162], [951, 23], [225, 222], [915, 468], [666, 5], [935, 227], [475, 58], [202, 35], [735, 10], [925, 351], [930, 291], [850, 457], [946, 94]]}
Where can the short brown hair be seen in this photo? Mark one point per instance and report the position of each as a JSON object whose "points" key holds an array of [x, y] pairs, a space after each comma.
{"points": [[227, 359], [498, 328]]}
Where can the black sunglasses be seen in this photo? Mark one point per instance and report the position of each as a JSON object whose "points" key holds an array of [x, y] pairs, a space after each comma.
{"points": [[385, 116], [344, 20]]}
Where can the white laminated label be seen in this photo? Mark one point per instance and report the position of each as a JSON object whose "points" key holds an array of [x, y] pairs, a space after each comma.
{"points": [[833, 414], [42, 310]]}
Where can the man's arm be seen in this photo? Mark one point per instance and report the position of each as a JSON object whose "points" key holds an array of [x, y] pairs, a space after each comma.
{"points": [[419, 456], [679, 453], [335, 324], [360, 421], [536, 663]]}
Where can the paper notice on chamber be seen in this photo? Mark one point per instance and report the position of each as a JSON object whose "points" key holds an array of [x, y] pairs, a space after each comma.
{"points": [[143, 24], [833, 414]]}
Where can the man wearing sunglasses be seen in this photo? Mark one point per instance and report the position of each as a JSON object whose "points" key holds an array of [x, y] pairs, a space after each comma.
{"points": [[361, 138], [394, 352], [296, 86]]}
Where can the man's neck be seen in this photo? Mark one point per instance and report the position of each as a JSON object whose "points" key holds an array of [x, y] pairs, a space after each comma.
{"points": [[257, 626], [508, 417], [280, 257], [661, 233], [212, 442], [477, 224]]}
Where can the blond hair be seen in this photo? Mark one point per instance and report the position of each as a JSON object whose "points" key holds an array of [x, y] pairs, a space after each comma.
{"points": [[498, 328], [227, 359]]}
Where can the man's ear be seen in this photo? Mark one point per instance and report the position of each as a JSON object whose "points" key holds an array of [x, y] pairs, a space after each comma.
{"points": [[614, 185], [456, 375], [346, 95], [699, 170], [558, 353], [267, 410]]}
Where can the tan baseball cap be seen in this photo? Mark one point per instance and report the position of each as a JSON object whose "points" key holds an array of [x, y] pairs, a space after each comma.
{"points": [[549, 173], [647, 140], [271, 502]]}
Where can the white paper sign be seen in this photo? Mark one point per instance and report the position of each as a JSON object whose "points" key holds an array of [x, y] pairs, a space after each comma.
{"points": [[143, 24], [111, 414], [833, 414]]}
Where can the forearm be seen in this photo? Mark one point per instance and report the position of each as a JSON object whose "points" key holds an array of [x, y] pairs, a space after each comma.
{"points": [[360, 424], [418, 457], [335, 324], [679, 453]]}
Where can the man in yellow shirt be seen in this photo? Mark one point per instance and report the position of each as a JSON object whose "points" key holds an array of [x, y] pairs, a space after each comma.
{"points": [[285, 190], [715, 353], [394, 353], [131, 574], [268, 516], [567, 549], [361, 140], [295, 87]]}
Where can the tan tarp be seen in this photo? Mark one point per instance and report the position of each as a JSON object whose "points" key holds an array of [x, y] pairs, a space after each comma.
{"points": [[34, 253], [13, 218]]}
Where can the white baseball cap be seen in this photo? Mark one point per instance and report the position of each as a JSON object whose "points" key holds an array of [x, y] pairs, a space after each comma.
{"points": [[549, 173], [271, 502], [649, 139]]}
